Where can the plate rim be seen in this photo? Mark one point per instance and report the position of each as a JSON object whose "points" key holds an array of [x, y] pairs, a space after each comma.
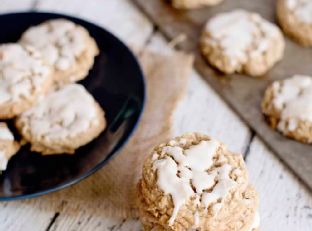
{"points": [[119, 146]]}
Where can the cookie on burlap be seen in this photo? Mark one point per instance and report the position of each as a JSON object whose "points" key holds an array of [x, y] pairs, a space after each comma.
{"points": [[8, 147], [242, 42], [194, 182], [66, 46], [295, 18], [192, 4], [24, 77], [287, 105], [63, 121]]}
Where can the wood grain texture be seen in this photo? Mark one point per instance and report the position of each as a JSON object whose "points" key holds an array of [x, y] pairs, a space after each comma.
{"points": [[118, 16], [243, 93], [7, 6], [284, 203]]}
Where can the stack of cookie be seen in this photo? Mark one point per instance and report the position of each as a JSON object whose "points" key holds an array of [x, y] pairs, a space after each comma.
{"points": [[37, 89], [194, 183]]}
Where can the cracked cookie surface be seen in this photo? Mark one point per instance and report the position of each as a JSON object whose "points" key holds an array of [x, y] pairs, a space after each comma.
{"points": [[24, 77], [8, 147], [295, 18], [194, 182], [241, 42], [66, 46], [287, 105], [63, 121], [192, 4]]}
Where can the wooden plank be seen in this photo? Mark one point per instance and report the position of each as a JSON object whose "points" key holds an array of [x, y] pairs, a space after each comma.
{"points": [[284, 203], [23, 215], [118, 16], [95, 223], [7, 6], [244, 94]]}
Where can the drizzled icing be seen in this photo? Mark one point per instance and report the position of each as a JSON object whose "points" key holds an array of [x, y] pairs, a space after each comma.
{"points": [[241, 34], [256, 222], [186, 174], [64, 113], [5, 133], [3, 161], [221, 189], [293, 97], [302, 9], [59, 40], [22, 72]]}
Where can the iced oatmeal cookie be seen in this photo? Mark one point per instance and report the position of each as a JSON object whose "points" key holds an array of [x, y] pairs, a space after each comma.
{"points": [[287, 105], [24, 77], [192, 4], [63, 121], [66, 46], [8, 147], [242, 42], [295, 17], [194, 182]]}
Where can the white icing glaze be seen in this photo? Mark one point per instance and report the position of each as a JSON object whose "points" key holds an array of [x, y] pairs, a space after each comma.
{"points": [[64, 113], [293, 97], [179, 188], [241, 34], [60, 41], [302, 9], [185, 173], [196, 219], [221, 189], [203, 151], [256, 222], [5, 133], [22, 72], [3, 161]]}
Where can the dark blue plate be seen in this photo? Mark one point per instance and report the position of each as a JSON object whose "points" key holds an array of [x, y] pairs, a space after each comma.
{"points": [[116, 81]]}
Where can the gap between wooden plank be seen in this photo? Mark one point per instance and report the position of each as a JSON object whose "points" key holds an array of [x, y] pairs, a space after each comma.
{"points": [[117, 226], [53, 220], [247, 149]]}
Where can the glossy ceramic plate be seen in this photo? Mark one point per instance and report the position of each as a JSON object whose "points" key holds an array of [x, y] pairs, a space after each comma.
{"points": [[115, 81]]}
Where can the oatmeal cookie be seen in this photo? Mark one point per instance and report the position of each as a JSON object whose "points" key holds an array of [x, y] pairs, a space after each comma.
{"points": [[194, 182], [24, 78], [242, 42], [66, 46], [295, 18], [63, 121], [287, 105], [8, 147]]}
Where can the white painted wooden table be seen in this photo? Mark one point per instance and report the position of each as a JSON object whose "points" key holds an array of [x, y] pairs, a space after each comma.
{"points": [[286, 204]]}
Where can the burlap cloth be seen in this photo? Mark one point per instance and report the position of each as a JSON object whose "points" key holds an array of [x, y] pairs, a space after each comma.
{"points": [[111, 191]]}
